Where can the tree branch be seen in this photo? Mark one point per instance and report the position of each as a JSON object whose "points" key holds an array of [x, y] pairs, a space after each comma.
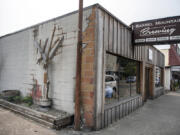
{"points": [[44, 48], [53, 51], [52, 37], [41, 51]]}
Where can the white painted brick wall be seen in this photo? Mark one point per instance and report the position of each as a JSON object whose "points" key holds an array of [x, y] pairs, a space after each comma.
{"points": [[18, 60]]}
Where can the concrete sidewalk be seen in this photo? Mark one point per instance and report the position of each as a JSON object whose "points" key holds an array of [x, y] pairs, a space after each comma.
{"points": [[160, 116], [157, 117]]}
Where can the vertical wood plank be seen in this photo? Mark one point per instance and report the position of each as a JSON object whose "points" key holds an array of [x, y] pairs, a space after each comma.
{"points": [[127, 44], [111, 34], [140, 52], [106, 28], [121, 39], [123, 42], [115, 37]]}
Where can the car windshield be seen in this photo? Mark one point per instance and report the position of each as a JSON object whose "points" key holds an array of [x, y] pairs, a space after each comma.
{"points": [[109, 78]]}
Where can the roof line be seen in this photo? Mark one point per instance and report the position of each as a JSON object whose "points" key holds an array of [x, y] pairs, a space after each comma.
{"points": [[73, 12], [29, 27], [157, 50], [101, 7]]}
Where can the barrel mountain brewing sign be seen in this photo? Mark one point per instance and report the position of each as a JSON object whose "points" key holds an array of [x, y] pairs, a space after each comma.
{"points": [[159, 31]]}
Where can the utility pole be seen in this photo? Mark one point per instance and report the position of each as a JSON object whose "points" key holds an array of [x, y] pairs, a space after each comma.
{"points": [[78, 69]]}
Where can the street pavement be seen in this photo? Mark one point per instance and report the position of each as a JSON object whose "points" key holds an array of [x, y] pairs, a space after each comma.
{"points": [[13, 124], [160, 116]]}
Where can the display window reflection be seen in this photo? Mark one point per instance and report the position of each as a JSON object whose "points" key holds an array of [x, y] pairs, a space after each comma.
{"points": [[121, 79], [158, 77]]}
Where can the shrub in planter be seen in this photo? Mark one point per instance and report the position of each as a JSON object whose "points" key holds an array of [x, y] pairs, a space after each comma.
{"points": [[28, 100], [17, 99]]}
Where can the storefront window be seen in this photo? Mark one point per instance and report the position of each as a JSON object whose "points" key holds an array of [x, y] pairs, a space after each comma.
{"points": [[122, 78], [175, 81], [158, 77]]}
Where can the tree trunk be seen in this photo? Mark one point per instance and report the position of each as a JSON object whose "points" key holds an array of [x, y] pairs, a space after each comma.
{"points": [[46, 84]]}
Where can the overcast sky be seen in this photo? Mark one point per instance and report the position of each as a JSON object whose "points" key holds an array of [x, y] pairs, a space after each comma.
{"points": [[18, 14]]}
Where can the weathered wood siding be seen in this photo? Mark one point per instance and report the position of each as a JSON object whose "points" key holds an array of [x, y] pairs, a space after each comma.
{"points": [[114, 37], [157, 58], [117, 39], [119, 110]]}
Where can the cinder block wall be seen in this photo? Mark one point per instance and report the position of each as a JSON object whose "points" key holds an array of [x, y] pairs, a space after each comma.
{"points": [[15, 62], [18, 61]]}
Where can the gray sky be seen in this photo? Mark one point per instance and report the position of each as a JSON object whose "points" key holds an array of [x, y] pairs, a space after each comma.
{"points": [[18, 14]]}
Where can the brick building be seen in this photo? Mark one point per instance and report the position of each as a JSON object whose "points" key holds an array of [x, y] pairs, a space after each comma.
{"points": [[137, 71]]}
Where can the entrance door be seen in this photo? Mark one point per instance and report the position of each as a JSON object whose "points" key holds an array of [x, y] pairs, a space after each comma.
{"points": [[147, 83]]}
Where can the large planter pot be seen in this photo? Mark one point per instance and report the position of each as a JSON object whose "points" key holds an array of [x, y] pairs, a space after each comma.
{"points": [[9, 94], [43, 102]]}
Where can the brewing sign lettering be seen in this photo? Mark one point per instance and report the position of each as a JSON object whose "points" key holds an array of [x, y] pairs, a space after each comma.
{"points": [[159, 31]]}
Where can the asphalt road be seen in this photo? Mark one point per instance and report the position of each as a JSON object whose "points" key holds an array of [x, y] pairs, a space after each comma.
{"points": [[157, 117]]}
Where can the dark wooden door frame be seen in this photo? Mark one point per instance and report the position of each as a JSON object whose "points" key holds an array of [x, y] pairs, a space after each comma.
{"points": [[150, 82]]}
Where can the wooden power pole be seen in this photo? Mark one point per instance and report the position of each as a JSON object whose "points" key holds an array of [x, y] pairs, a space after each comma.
{"points": [[78, 69]]}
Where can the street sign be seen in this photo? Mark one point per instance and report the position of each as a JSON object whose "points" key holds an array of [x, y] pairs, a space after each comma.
{"points": [[158, 31]]}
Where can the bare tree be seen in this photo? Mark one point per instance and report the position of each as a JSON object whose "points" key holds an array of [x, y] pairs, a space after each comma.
{"points": [[47, 53]]}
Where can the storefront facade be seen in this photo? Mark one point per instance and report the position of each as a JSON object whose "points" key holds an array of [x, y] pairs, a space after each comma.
{"points": [[116, 77], [137, 70]]}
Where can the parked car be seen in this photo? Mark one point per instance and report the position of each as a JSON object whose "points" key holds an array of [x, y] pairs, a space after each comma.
{"points": [[131, 79], [110, 82], [113, 73]]}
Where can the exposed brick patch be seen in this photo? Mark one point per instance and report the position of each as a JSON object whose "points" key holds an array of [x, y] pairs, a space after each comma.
{"points": [[89, 119], [87, 87], [88, 80], [88, 72]]}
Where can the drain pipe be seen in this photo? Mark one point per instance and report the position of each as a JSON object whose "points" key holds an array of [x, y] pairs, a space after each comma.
{"points": [[78, 69]]}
